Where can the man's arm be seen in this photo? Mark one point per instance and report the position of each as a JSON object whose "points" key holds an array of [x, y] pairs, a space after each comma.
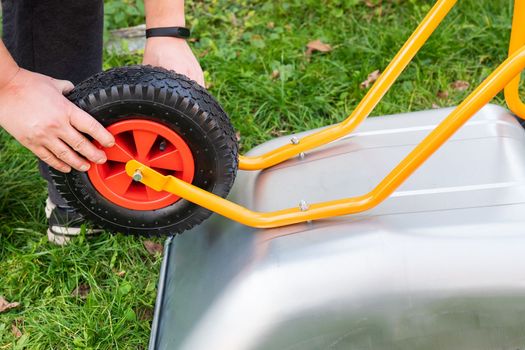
{"points": [[8, 66], [167, 52], [34, 111]]}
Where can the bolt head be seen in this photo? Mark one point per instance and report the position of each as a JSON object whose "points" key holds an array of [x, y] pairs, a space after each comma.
{"points": [[162, 146], [137, 176], [303, 205]]}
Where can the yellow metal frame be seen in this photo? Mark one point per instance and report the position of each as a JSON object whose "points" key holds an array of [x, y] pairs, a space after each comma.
{"points": [[506, 76]]}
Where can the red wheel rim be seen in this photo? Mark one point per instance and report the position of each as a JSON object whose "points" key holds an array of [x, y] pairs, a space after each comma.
{"points": [[152, 144]]}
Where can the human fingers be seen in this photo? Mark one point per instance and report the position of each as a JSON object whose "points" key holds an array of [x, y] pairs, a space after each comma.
{"points": [[47, 157], [85, 123]]}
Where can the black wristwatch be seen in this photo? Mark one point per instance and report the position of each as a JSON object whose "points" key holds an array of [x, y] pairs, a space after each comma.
{"points": [[175, 32]]}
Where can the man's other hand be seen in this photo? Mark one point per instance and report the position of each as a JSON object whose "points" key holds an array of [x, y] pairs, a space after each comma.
{"points": [[174, 54]]}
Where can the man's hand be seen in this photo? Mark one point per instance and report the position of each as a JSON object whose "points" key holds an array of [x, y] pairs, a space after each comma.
{"points": [[175, 54], [34, 110]]}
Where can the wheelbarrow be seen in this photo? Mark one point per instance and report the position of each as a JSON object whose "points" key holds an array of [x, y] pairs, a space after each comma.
{"points": [[421, 252]]}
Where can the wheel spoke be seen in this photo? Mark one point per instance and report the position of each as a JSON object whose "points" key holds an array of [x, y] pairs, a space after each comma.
{"points": [[151, 193], [119, 182], [118, 154], [170, 160], [144, 140]]}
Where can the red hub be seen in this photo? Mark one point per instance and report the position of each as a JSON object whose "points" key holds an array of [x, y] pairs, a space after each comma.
{"points": [[152, 144]]}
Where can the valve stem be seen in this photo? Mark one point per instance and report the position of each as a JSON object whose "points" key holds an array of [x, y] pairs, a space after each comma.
{"points": [[162, 145]]}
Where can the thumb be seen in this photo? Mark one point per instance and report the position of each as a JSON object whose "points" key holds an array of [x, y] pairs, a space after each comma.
{"points": [[64, 86]]}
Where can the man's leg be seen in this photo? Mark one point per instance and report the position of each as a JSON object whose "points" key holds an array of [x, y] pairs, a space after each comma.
{"points": [[62, 39]]}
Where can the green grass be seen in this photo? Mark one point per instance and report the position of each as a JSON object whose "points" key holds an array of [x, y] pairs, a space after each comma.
{"points": [[239, 52]]}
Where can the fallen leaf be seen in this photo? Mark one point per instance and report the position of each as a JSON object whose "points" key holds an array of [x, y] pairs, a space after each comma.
{"points": [[233, 20], [442, 94], [317, 45], [275, 74], [270, 25], [376, 8], [144, 313], [435, 106], [203, 53], [121, 273], [5, 305], [372, 77], [81, 291], [460, 85], [17, 333], [153, 248], [277, 133], [238, 136]]}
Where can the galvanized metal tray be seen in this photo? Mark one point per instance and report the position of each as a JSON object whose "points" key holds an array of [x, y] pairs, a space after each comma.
{"points": [[439, 265]]}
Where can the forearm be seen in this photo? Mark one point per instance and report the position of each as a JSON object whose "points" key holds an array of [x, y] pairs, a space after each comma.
{"points": [[164, 13], [8, 66], [170, 52]]}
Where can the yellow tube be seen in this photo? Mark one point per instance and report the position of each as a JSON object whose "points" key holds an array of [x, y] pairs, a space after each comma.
{"points": [[517, 40], [367, 104], [494, 83]]}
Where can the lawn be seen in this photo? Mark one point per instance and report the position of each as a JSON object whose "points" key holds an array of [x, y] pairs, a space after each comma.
{"points": [[98, 293]]}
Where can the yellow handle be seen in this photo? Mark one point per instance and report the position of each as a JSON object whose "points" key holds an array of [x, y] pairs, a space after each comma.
{"points": [[493, 84], [505, 76], [517, 40], [367, 104]]}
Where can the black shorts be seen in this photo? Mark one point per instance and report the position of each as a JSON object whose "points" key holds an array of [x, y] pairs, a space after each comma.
{"points": [[62, 39]]}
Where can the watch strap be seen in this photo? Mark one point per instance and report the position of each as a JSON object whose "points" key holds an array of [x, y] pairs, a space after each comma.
{"points": [[175, 32]]}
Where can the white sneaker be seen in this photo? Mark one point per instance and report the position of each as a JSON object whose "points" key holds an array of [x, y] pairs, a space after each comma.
{"points": [[64, 223]]}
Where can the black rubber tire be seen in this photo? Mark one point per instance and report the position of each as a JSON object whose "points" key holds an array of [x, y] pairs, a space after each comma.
{"points": [[180, 104]]}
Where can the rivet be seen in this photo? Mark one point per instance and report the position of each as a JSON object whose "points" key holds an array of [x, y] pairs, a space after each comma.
{"points": [[303, 205]]}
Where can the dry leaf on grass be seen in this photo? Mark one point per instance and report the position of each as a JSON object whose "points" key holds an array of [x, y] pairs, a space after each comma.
{"points": [[442, 94], [435, 106], [277, 133], [203, 53], [144, 313], [460, 85], [6, 306], [16, 332], [19, 322], [275, 74], [120, 273], [81, 291], [317, 45], [153, 248], [270, 25], [233, 19], [372, 77]]}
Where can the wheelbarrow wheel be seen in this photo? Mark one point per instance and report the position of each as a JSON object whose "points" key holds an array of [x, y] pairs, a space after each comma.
{"points": [[165, 121]]}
